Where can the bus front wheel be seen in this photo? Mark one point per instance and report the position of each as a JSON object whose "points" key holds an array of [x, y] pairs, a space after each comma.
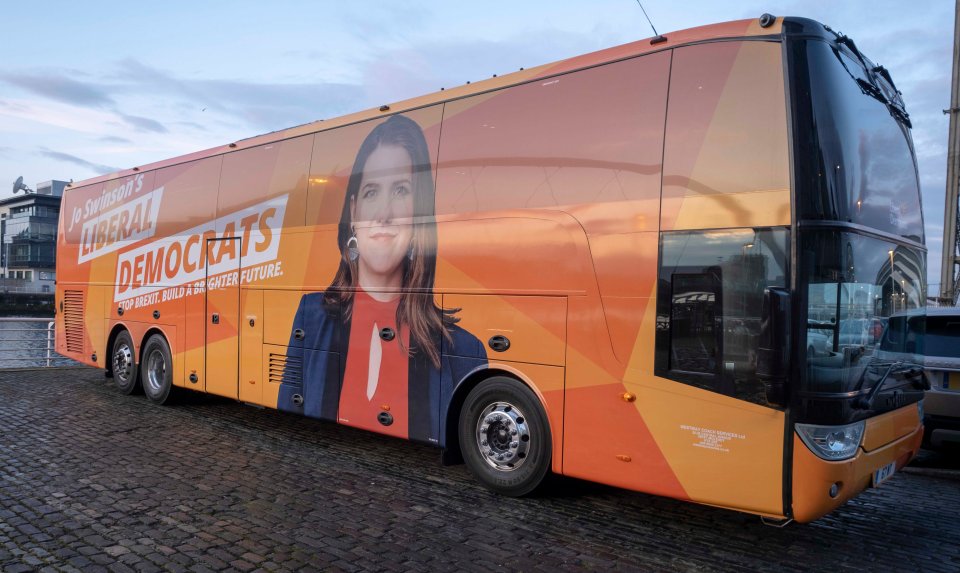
{"points": [[504, 437], [156, 370], [123, 363]]}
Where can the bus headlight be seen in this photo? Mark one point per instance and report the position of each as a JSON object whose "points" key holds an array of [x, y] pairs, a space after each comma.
{"points": [[832, 443]]}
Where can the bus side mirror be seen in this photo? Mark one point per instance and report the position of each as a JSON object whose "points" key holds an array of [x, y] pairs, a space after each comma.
{"points": [[773, 349]]}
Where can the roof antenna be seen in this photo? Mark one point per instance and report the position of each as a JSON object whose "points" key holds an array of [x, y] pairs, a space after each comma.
{"points": [[657, 37]]}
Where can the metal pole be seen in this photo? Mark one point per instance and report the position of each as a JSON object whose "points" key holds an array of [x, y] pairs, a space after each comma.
{"points": [[951, 217], [50, 342]]}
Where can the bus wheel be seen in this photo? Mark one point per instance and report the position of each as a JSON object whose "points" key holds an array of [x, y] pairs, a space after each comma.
{"points": [[504, 437], [123, 363], [156, 370]]}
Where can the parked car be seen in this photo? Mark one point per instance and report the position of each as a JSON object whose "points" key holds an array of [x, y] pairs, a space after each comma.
{"points": [[854, 332], [860, 332], [936, 335], [818, 343]]}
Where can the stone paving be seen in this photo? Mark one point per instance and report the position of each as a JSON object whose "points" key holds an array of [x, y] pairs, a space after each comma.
{"points": [[94, 481]]}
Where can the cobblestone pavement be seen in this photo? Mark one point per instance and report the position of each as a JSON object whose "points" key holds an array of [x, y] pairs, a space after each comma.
{"points": [[92, 480]]}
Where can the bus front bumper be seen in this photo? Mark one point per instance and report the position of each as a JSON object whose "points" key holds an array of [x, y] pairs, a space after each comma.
{"points": [[820, 486]]}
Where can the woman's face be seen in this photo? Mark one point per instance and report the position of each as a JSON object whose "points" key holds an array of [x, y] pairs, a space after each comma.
{"points": [[382, 213]]}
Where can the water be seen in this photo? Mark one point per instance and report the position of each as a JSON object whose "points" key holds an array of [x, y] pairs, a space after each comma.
{"points": [[24, 345]]}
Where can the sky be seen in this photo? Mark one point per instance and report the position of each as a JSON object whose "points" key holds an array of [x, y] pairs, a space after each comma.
{"points": [[88, 88]]}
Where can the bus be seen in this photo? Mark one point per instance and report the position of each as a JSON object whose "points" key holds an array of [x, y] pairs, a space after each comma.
{"points": [[638, 266]]}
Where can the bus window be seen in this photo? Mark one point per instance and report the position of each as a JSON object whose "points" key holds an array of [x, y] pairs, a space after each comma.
{"points": [[695, 339], [858, 287], [253, 175], [860, 139], [567, 140], [709, 306], [725, 156]]}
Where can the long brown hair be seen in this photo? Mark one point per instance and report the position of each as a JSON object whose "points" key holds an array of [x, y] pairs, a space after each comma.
{"points": [[415, 310]]}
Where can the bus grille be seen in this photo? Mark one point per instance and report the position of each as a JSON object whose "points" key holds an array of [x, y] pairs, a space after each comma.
{"points": [[285, 369], [73, 320]]}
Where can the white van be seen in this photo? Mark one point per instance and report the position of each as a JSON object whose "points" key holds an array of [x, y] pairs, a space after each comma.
{"points": [[938, 337]]}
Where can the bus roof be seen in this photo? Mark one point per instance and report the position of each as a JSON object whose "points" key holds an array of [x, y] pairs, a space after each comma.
{"points": [[725, 30]]}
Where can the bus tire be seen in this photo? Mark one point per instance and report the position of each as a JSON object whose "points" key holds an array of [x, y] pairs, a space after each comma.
{"points": [[156, 370], [504, 436], [123, 364]]}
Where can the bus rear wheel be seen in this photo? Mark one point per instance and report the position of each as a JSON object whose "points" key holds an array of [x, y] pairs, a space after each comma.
{"points": [[156, 370], [504, 437], [123, 363]]}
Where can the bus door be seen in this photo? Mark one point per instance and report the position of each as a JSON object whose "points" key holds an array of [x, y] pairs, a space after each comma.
{"points": [[716, 415], [222, 316]]}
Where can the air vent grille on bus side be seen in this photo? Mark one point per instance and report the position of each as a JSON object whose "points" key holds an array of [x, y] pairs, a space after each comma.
{"points": [[73, 320], [285, 369]]}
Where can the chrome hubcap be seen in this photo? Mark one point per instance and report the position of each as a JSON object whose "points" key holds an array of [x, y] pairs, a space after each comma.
{"points": [[123, 363], [156, 371], [503, 436]]}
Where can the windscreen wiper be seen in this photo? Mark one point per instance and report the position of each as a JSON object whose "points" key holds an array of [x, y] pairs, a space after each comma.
{"points": [[871, 90], [848, 42], [900, 114], [895, 105], [909, 369], [885, 74]]}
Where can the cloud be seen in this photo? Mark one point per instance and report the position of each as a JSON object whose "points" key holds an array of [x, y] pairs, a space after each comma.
{"points": [[380, 26], [278, 106], [267, 106], [60, 88], [143, 123], [66, 157], [10, 105], [402, 73], [59, 85], [192, 125], [114, 139]]}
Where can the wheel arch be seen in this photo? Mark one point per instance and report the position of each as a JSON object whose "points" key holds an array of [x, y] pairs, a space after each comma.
{"points": [[165, 390], [146, 336], [452, 454], [111, 338]]}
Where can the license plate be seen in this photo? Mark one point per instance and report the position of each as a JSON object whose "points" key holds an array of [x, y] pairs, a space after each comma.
{"points": [[951, 380], [883, 474]]}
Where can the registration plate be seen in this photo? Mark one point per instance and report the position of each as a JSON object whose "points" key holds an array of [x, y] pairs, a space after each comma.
{"points": [[951, 380], [883, 474]]}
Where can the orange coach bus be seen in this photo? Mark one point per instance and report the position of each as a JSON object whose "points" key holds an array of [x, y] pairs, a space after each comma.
{"points": [[663, 266]]}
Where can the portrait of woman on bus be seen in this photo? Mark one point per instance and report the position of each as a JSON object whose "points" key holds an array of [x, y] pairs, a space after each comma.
{"points": [[378, 317]]}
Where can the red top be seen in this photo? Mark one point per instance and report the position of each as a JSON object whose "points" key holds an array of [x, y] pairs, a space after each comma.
{"points": [[375, 379]]}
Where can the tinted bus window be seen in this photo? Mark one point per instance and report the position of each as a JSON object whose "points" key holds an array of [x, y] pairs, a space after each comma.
{"points": [[567, 140], [694, 340], [709, 306], [855, 160], [725, 161], [856, 287]]}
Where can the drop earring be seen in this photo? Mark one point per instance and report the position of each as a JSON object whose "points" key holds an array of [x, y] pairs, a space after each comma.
{"points": [[410, 253], [352, 251]]}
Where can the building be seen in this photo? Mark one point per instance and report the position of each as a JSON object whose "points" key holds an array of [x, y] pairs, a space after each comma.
{"points": [[28, 239]]}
